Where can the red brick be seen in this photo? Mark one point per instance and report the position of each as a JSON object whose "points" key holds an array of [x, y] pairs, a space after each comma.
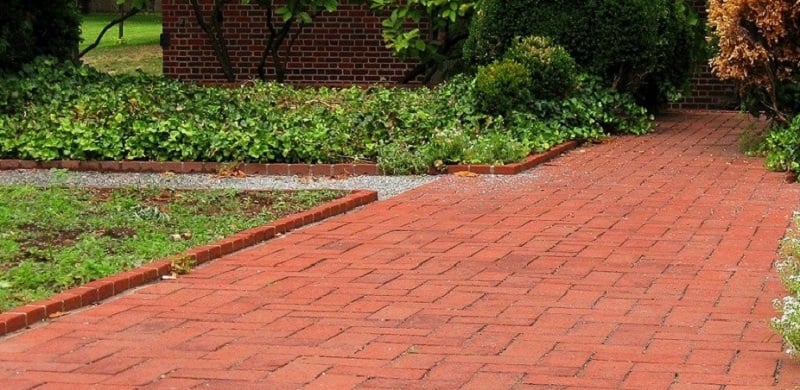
{"points": [[481, 169], [71, 165], [505, 169], [135, 277], [193, 167], [278, 169], [12, 322], [322, 170], [110, 166], [342, 170], [458, 168], [253, 169], [366, 169], [150, 166], [33, 314], [172, 166], [50, 306], [89, 166], [6, 164], [299, 169], [27, 164]]}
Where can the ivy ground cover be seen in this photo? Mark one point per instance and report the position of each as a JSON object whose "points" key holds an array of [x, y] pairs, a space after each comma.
{"points": [[51, 111]]}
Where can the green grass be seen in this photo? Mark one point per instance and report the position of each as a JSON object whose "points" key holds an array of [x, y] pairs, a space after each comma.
{"points": [[138, 50], [55, 238], [139, 30]]}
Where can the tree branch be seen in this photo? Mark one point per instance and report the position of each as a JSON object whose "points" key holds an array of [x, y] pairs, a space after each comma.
{"points": [[131, 12], [214, 32]]}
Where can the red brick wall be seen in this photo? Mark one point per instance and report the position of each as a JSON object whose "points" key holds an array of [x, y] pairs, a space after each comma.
{"points": [[339, 48]]}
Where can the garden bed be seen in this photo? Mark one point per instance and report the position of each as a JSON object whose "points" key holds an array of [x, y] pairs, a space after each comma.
{"points": [[27, 264], [62, 113]]}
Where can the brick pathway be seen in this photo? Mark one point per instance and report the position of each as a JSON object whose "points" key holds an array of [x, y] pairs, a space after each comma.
{"points": [[640, 263]]}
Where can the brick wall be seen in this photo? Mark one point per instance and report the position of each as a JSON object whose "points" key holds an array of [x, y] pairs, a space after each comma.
{"points": [[339, 48]]}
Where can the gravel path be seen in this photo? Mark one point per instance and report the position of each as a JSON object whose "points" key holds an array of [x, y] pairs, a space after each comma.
{"points": [[387, 186]]}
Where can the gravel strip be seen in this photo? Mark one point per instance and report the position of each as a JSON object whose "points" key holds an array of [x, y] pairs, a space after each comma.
{"points": [[387, 186]]}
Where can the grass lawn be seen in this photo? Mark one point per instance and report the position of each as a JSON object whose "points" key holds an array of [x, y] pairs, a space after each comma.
{"points": [[55, 238], [139, 48]]}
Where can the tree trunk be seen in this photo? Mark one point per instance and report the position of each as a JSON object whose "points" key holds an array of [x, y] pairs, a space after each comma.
{"points": [[273, 46], [215, 35]]}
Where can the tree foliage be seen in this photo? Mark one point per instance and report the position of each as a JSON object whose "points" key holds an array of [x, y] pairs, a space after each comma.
{"points": [[759, 47], [32, 28], [645, 47], [438, 40]]}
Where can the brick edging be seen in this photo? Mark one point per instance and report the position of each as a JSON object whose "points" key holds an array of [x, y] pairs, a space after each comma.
{"points": [[330, 170], [277, 169], [516, 168], [93, 292]]}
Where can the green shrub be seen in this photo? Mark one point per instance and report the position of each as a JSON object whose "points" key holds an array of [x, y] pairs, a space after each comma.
{"points": [[787, 325], [32, 28], [446, 147], [497, 148], [396, 159], [552, 70], [502, 87], [59, 111], [783, 147], [644, 47]]}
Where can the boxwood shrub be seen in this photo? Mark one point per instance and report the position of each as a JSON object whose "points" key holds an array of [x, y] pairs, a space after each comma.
{"points": [[644, 47], [552, 70]]}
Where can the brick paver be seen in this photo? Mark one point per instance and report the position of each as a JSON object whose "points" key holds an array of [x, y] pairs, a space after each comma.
{"points": [[641, 262]]}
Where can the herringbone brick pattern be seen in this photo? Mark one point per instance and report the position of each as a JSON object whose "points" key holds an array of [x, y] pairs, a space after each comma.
{"points": [[642, 262]]}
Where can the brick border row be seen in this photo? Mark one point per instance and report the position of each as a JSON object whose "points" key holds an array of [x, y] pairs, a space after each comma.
{"points": [[331, 170], [513, 169], [99, 290]]}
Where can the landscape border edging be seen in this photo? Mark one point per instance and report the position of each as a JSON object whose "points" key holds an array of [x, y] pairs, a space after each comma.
{"points": [[275, 169], [96, 291]]}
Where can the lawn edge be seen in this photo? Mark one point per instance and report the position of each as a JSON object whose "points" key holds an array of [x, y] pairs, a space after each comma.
{"points": [[94, 292], [276, 169]]}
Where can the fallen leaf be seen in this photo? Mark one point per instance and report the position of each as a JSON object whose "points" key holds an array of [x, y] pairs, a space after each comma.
{"points": [[57, 314], [465, 174], [308, 179], [230, 171], [343, 176]]}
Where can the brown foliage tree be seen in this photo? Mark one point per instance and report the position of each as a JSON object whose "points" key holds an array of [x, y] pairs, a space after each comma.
{"points": [[759, 47]]}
